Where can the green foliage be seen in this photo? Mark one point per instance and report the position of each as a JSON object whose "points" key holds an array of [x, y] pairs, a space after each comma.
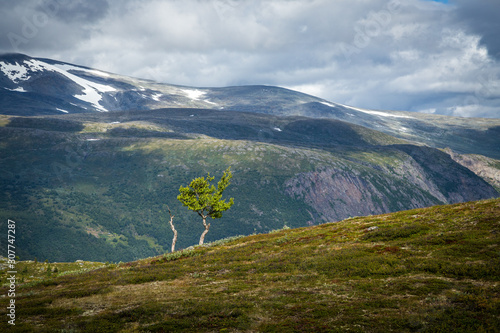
{"points": [[179, 254], [223, 241], [204, 198], [34, 272], [393, 233]]}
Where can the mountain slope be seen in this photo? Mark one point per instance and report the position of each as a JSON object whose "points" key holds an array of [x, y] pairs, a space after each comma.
{"points": [[93, 161], [486, 168], [35, 86], [96, 184], [426, 270]]}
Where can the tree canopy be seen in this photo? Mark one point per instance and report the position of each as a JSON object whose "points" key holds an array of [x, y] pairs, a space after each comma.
{"points": [[205, 199]]}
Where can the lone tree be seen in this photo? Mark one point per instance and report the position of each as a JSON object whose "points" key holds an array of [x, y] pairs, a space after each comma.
{"points": [[205, 199]]}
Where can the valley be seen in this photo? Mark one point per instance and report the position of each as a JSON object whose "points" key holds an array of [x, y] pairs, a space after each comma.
{"points": [[99, 183], [90, 160]]}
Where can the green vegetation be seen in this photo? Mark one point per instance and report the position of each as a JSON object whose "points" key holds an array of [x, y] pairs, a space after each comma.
{"points": [[33, 272], [423, 270], [206, 200], [98, 183]]}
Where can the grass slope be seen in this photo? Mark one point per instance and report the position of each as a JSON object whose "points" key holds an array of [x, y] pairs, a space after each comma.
{"points": [[95, 186], [426, 270]]}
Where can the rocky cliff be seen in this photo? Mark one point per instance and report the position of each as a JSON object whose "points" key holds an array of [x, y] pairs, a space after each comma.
{"points": [[422, 177]]}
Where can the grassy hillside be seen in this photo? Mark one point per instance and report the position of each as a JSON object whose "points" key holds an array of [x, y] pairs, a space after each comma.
{"points": [[424, 270], [94, 186]]}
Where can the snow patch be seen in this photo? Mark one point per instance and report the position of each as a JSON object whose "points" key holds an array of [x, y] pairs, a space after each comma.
{"points": [[193, 94], [67, 67], [209, 102], [93, 139], [376, 113], [328, 104], [156, 97], [20, 72], [18, 89], [384, 114], [14, 72], [277, 129], [62, 110], [91, 90]]}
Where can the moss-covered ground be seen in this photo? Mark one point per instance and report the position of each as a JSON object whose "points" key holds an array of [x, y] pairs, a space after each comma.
{"points": [[426, 270]]}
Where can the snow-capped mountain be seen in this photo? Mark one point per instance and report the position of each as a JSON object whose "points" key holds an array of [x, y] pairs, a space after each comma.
{"points": [[36, 86], [70, 88], [44, 86]]}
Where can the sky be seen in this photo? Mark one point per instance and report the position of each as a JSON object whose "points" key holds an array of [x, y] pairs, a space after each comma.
{"points": [[428, 56]]}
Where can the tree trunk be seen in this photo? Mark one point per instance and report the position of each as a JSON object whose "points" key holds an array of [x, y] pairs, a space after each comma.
{"points": [[174, 240], [207, 226]]}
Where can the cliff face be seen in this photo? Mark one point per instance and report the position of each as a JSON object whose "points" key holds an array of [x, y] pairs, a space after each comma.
{"points": [[485, 167], [456, 182], [423, 177], [336, 195]]}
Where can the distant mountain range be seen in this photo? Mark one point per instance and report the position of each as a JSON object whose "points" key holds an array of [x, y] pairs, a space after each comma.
{"points": [[89, 159], [35, 86]]}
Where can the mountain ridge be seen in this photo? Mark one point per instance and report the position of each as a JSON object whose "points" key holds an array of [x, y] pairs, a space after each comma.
{"points": [[107, 91]]}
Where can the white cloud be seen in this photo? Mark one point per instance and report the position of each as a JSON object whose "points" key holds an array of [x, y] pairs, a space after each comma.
{"points": [[405, 55]]}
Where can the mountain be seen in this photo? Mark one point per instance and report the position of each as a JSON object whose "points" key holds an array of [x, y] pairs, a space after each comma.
{"points": [[93, 182], [425, 270], [97, 183], [36, 86]]}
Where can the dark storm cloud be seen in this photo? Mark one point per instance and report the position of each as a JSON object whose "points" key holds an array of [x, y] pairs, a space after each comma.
{"points": [[75, 11], [49, 25], [482, 18]]}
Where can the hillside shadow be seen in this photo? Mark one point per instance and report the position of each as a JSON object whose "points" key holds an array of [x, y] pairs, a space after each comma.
{"points": [[120, 132], [46, 124], [237, 125], [458, 186]]}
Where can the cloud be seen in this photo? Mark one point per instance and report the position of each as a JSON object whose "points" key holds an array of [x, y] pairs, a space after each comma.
{"points": [[481, 18], [76, 11], [406, 55], [48, 26]]}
